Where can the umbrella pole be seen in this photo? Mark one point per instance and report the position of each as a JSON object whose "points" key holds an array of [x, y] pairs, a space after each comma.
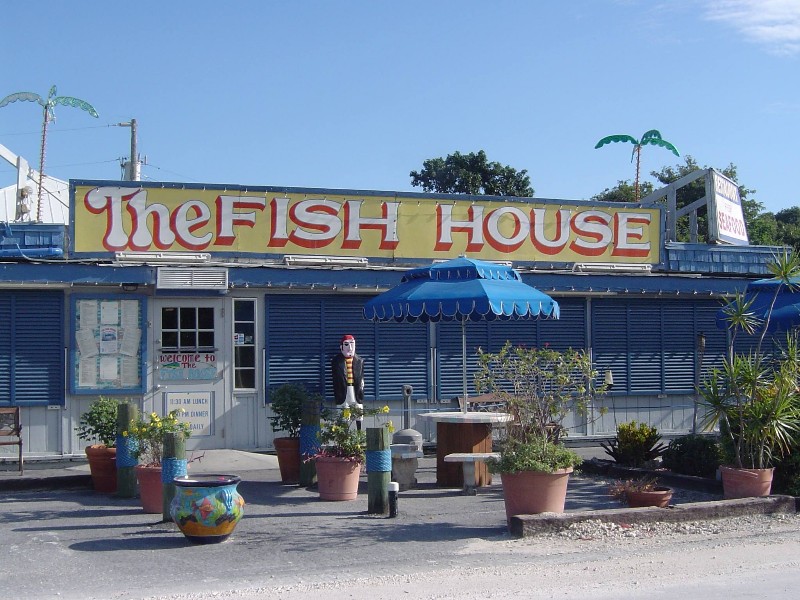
{"points": [[464, 364]]}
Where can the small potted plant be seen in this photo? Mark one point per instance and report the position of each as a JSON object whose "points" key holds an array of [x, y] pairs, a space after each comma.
{"points": [[342, 452], [540, 387], [635, 445], [286, 402], [99, 425], [644, 491], [147, 441]]}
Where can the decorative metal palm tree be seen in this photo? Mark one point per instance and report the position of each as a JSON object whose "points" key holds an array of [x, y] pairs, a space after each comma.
{"points": [[652, 137], [49, 115]]}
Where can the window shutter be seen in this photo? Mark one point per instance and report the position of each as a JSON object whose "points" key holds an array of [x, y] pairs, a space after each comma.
{"points": [[32, 345], [294, 340]]}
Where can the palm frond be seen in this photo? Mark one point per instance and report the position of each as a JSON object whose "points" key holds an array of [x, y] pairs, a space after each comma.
{"points": [[23, 97], [653, 134], [616, 138], [662, 144], [75, 103]]}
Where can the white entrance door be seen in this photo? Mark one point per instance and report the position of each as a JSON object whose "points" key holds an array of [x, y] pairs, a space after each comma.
{"points": [[189, 361]]}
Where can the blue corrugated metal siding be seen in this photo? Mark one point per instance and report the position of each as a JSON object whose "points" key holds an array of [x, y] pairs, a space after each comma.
{"points": [[402, 359], [304, 332], [32, 347], [566, 332], [651, 345], [6, 345], [294, 340]]}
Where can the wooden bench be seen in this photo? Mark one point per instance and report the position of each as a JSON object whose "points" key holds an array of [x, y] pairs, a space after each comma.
{"points": [[468, 460], [10, 427]]}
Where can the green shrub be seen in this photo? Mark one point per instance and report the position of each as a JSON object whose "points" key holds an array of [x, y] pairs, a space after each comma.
{"points": [[99, 423], [286, 402], [786, 479], [698, 455], [635, 445]]}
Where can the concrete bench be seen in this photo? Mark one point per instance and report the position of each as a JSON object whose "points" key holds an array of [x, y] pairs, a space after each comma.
{"points": [[11, 429], [468, 460], [405, 460]]}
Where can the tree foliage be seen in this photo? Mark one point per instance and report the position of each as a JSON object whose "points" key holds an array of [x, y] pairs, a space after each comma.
{"points": [[473, 174], [623, 192], [763, 228]]}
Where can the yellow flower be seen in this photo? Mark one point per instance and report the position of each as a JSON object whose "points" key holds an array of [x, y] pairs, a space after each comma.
{"points": [[385, 409], [124, 434], [346, 413]]}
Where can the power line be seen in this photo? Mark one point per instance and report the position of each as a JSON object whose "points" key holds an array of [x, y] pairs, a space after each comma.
{"points": [[61, 129]]}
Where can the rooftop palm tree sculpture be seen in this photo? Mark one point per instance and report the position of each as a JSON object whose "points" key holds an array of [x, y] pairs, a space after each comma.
{"points": [[652, 137], [49, 115]]}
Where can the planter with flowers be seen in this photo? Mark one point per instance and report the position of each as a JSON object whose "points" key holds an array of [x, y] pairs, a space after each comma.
{"points": [[99, 425], [342, 452], [540, 387], [147, 437], [637, 493]]}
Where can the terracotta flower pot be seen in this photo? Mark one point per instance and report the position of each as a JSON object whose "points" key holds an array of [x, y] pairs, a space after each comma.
{"points": [[151, 489], [206, 508], [103, 467], [533, 492], [745, 483], [659, 497], [288, 450], [337, 478]]}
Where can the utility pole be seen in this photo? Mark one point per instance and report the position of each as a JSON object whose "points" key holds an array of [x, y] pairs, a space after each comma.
{"points": [[133, 165]]}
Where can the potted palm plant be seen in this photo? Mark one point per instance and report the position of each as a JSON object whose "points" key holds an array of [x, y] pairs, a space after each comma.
{"points": [[99, 425], [540, 388], [286, 402], [753, 398]]}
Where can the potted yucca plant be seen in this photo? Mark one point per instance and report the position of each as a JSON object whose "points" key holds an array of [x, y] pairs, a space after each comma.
{"points": [[753, 397]]}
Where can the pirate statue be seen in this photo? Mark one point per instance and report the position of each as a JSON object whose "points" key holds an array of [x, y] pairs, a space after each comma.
{"points": [[347, 369]]}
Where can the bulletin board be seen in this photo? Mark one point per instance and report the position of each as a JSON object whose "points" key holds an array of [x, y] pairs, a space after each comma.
{"points": [[107, 344]]}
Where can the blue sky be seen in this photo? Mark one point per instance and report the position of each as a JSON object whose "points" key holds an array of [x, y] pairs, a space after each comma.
{"points": [[356, 94]]}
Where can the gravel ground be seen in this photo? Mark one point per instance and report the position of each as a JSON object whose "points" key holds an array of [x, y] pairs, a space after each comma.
{"points": [[595, 529], [746, 557]]}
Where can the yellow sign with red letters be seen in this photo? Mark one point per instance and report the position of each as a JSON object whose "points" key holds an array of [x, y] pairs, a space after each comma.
{"points": [[260, 221]]}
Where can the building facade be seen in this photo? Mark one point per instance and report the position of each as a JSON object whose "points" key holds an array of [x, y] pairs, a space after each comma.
{"points": [[205, 297]]}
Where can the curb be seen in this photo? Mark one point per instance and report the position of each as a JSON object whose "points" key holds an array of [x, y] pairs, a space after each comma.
{"points": [[46, 483], [529, 525], [608, 468]]}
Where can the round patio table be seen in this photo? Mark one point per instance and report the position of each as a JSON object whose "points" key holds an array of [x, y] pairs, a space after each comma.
{"points": [[463, 432]]}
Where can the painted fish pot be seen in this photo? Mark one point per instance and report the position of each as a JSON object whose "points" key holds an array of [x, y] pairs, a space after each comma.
{"points": [[206, 508]]}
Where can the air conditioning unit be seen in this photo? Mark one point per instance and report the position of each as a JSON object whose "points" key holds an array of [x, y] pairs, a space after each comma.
{"points": [[198, 278]]}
